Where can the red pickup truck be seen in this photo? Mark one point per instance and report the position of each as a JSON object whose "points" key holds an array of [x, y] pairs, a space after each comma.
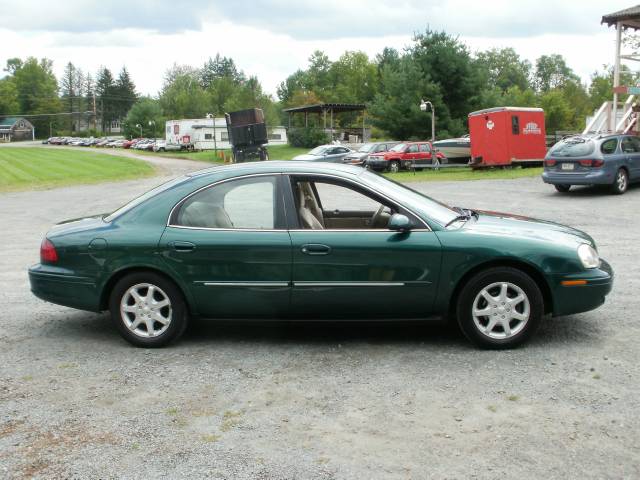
{"points": [[403, 156]]}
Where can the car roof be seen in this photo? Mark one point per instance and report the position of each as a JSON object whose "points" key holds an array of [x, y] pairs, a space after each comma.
{"points": [[279, 166]]}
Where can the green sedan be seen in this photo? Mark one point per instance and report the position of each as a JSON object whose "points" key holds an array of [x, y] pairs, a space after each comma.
{"points": [[304, 241]]}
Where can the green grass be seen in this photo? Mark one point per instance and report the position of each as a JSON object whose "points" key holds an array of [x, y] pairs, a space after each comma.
{"points": [[464, 174], [276, 152], [23, 168]]}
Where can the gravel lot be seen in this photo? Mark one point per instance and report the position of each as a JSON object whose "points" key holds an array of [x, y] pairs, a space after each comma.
{"points": [[320, 400]]}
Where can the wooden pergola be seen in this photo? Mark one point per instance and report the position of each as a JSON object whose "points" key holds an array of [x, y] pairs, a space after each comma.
{"points": [[322, 109]]}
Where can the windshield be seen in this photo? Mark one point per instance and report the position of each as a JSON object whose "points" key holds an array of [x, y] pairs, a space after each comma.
{"points": [[145, 196], [421, 203], [573, 147], [318, 151], [367, 147], [398, 148]]}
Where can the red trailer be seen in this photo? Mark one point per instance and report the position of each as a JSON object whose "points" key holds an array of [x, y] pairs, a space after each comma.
{"points": [[507, 135]]}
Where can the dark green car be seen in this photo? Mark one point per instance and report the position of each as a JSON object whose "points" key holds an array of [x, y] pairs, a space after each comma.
{"points": [[304, 241]]}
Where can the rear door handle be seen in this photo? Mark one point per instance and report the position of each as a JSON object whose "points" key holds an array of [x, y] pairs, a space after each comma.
{"points": [[182, 246], [315, 249]]}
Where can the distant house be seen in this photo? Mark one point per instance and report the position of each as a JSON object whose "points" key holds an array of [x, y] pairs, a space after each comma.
{"points": [[14, 129]]}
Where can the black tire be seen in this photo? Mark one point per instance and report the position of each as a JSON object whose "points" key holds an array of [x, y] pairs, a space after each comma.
{"points": [[495, 278], [563, 188], [394, 166], [621, 182], [176, 311]]}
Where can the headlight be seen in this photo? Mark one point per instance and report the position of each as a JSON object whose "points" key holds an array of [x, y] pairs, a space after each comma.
{"points": [[588, 256]]}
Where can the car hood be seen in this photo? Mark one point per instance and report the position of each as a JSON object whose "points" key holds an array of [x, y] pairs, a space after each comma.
{"points": [[517, 226]]}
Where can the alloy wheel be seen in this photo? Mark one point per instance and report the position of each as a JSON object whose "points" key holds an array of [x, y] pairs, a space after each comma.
{"points": [[501, 310], [145, 309]]}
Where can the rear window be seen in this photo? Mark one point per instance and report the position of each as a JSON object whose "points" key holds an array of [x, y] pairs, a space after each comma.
{"points": [[573, 147]]}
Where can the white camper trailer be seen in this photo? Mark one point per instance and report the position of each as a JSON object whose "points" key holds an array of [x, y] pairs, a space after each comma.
{"points": [[209, 133]]}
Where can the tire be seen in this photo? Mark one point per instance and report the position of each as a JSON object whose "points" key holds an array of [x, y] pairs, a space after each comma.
{"points": [[621, 182], [394, 166], [141, 313], [492, 281], [563, 188]]}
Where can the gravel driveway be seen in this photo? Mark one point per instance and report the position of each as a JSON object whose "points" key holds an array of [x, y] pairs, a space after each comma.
{"points": [[321, 400]]}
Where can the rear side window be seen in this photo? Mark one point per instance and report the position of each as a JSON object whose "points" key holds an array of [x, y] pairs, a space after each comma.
{"points": [[609, 146], [424, 148], [244, 203], [573, 147]]}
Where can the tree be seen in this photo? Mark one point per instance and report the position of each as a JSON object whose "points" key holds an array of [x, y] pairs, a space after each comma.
{"points": [[184, 97], [106, 95], [557, 111], [220, 67], [552, 72], [69, 90], [147, 113], [37, 91], [504, 69], [9, 104], [125, 93]]}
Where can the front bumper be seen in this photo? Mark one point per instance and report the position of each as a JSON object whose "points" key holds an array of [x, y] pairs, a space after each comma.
{"points": [[569, 300], [599, 176], [60, 286], [377, 163]]}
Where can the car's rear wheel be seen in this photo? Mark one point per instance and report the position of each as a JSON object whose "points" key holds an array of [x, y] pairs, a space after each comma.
{"points": [[394, 166], [500, 308], [148, 309], [621, 182], [562, 188]]}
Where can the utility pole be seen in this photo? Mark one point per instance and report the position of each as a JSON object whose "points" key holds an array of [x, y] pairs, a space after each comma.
{"points": [[95, 119]]}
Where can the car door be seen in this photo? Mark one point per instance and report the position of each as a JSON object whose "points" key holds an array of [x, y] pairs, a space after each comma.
{"points": [[347, 263], [228, 242], [412, 154], [634, 159], [424, 154]]}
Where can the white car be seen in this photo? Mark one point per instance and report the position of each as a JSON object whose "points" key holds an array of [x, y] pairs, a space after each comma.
{"points": [[163, 146]]}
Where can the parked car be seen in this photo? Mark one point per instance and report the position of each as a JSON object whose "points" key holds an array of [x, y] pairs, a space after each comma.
{"points": [[103, 142], [131, 143], [301, 240], [405, 155], [359, 157], [163, 146], [612, 160], [325, 153]]}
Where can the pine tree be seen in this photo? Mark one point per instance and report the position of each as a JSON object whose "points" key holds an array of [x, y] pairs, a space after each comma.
{"points": [[126, 93], [105, 91]]}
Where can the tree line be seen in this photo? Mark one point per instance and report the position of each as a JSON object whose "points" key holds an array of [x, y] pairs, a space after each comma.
{"points": [[435, 66]]}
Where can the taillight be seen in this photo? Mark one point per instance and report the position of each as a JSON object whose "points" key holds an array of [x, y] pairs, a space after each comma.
{"points": [[549, 163], [48, 252], [591, 163]]}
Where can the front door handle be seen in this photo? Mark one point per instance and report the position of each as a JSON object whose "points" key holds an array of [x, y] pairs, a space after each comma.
{"points": [[315, 249], [182, 246]]}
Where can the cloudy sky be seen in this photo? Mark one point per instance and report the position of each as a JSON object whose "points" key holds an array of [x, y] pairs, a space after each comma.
{"points": [[273, 38]]}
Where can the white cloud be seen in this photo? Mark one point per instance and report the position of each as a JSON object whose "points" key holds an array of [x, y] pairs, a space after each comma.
{"points": [[273, 39]]}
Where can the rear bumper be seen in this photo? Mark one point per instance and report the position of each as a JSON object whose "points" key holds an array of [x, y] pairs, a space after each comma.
{"points": [[55, 285], [595, 177], [569, 300]]}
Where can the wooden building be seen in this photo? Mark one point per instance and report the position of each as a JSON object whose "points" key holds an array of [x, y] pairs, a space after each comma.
{"points": [[15, 129]]}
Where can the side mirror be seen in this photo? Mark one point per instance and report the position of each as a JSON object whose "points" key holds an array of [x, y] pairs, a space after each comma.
{"points": [[399, 222]]}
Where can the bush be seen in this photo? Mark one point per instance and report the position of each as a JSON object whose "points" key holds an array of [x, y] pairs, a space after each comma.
{"points": [[307, 137]]}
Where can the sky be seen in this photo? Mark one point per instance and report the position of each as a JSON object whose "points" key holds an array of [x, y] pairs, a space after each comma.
{"points": [[273, 38]]}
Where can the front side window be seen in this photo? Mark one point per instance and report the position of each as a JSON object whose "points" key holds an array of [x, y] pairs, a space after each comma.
{"points": [[331, 205], [399, 148], [413, 149], [249, 203]]}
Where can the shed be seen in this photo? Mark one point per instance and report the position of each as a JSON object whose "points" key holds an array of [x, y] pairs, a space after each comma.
{"points": [[15, 129], [322, 109]]}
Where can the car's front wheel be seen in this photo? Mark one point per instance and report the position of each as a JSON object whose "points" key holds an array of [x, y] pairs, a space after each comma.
{"points": [[562, 188], [394, 166], [621, 182], [500, 308], [148, 309]]}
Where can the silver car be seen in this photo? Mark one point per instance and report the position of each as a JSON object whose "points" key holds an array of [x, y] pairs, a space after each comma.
{"points": [[325, 153]]}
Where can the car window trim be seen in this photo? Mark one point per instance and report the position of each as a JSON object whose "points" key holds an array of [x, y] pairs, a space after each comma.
{"points": [[280, 202], [361, 186]]}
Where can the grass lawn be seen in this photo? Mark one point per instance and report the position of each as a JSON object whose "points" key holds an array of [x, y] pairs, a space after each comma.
{"points": [[23, 168], [276, 152], [463, 174]]}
